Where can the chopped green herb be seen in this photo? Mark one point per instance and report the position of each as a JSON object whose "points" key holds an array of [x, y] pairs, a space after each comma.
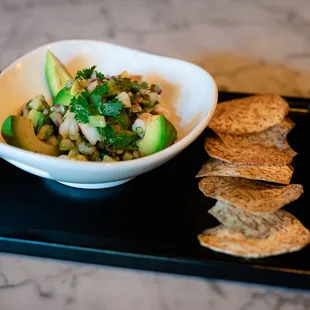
{"points": [[101, 89], [118, 85], [111, 108], [80, 107], [135, 87], [100, 75], [123, 119], [96, 101], [85, 73], [108, 134], [124, 139], [144, 85], [100, 131], [120, 140]]}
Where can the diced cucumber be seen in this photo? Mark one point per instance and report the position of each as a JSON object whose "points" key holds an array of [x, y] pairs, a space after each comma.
{"points": [[74, 151], [39, 119], [79, 157], [66, 145], [128, 156], [39, 103], [97, 121], [95, 156], [86, 148], [107, 158], [45, 132], [56, 118], [52, 140]]}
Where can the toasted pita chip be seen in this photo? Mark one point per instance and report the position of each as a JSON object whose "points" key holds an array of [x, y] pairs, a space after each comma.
{"points": [[249, 115], [275, 174], [272, 137], [289, 235], [250, 195], [251, 155], [252, 225]]}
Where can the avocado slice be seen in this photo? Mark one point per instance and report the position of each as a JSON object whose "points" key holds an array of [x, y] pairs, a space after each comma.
{"points": [[67, 93], [19, 131], [159, 134], [56, 74]]}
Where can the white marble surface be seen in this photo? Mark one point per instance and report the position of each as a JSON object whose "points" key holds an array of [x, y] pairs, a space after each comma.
{"points": [[253, 45]]}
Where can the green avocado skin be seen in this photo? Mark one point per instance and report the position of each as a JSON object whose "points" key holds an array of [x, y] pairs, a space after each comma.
{"points": [[159, 134], [56, 74], [19, 131], [65, 96]]}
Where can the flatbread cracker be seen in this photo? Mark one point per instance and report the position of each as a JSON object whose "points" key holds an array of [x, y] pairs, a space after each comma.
{"points": [[250, 195], [290, 237], [251, 114], [275, 174], [251, 155], [273, 137], [252, 225]]}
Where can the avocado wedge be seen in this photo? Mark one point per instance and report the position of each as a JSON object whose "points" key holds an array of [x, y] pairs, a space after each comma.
{"points": [[159, 134], [19, 131], [67, 93], [56, 74]]}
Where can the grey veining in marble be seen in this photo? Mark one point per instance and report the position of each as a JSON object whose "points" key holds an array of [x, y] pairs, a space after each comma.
{"points": [[46, 284], [248, 40], [247, 45]]}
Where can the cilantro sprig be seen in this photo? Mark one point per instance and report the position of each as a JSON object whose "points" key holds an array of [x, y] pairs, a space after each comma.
{"points": [[81, 108], [87, 104], [119, 140], [87, 72]]}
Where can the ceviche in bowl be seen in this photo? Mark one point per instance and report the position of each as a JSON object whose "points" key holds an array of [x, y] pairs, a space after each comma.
{"points": [[93, 117], [101, 122]]}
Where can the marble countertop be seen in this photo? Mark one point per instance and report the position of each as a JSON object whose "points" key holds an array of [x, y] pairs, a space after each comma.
{"points": [[253, 46]]}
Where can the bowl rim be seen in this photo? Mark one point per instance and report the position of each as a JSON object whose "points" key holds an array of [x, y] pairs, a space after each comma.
{"points": [[168, 152]]}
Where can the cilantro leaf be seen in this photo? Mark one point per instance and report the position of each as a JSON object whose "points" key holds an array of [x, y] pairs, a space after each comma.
{"points": [[100, 89], [85, 73], [100, 131], [124, 139], [111, 108], [96, 103], [100, 75], [135, 87], [123, 119], [108, 134], [144, 85], [85, 94], [80, 107], [118, 85], [119, 140]]}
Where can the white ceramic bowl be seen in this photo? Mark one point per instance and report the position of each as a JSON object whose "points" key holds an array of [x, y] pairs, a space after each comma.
{"points": [[189, 91]]}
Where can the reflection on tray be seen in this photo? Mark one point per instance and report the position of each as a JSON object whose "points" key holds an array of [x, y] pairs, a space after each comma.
{"points": [[76, 193]]}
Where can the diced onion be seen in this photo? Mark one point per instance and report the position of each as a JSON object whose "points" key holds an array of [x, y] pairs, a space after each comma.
{"points": [[86, 149], [124, 98], [92, 86]]}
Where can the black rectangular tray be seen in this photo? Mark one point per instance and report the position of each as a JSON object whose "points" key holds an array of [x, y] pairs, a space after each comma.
{"points": [[149, 223]]}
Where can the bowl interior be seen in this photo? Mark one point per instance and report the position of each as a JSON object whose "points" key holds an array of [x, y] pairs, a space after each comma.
{"points": [[189, 92]]}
